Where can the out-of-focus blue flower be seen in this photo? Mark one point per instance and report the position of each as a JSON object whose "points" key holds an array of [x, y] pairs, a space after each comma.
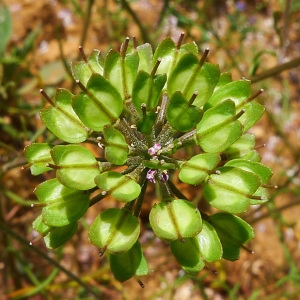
{"points": [[241, 6]]}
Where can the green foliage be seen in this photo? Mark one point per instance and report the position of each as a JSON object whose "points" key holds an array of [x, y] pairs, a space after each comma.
{"points": [[76, 166], [233, 232], [175, 220], [62, 205], [38, 156], [114, 230], [128, 264], [141, 107], [192, 253], [61, 119]]}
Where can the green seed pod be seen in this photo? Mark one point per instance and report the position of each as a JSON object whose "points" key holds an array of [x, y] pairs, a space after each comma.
{"points": [[176, 219], [114, 230]]}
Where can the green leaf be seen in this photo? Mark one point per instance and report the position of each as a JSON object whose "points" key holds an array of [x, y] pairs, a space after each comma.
{"points": [[262, 196], [189, 77], [262, 171], [218, 128], [40, 226], [62, 204], [225, 78], [237, 91], [114, 230], [188, 255], [188, 48], [176, 219], [193, 252], [145, 125], [38, 155], [231, 189], [116, 148], [209, 242], [59, 235], [198, 167], [121, 71], [54, 236], [121, 187], [61, 119], [253, 112], [243, 148], [233, 233], [81, 71], [99, 105], [165, 51], [77, 166], [146, 55], [96, 62], [147, 90], [169, 54], [181, 114], [127, 264], [143, 268]]}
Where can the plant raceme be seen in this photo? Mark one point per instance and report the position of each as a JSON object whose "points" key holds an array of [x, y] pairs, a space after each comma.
{"points": [[141, 108]]}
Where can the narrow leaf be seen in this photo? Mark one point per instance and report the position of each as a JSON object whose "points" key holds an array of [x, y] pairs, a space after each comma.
{"points": [[145, 53]]}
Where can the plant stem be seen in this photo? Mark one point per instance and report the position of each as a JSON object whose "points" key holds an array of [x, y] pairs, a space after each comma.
{"points": [[284, 35], [87, 20], [143, 182], [276, 70], [176, 191]]}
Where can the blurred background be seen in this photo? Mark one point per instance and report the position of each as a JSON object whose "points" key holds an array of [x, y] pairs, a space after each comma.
{"points": [[259, 40]]}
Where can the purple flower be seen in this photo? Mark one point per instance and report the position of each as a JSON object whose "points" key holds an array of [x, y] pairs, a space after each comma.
{"points": [[164, 176], [241, 6], [153, 150], [151, 175]]}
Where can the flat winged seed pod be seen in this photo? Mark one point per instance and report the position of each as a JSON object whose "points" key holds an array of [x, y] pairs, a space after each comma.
{"points": [[135, 109]]}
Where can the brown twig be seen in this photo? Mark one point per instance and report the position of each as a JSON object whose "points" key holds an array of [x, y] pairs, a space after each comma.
{"points": [[276, 70]]}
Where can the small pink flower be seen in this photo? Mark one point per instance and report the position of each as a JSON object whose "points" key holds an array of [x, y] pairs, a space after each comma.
{"points": [[151, 175], [153, 150], [164, 177]]}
